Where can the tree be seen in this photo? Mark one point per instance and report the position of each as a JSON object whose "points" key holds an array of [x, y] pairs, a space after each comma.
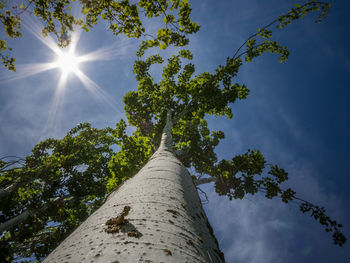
{"points": [[190, 98], [156, 216]]}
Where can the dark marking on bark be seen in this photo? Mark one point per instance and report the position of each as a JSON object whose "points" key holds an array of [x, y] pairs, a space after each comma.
{"points": [[190, 242], [119, 223], [171, 221], [183, 205], [134, 233], [114, 224], [200, 239], [167, 251], [186, 236], [174, 212]]}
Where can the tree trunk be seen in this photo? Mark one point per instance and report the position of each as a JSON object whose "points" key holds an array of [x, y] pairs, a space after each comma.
{"points": [[156, 216]]}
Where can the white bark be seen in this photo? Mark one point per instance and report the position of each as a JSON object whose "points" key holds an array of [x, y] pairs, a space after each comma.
{"points": [[166, 221]]}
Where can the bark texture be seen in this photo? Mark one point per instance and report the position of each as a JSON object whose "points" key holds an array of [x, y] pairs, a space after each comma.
{"points": [[156, 216]]}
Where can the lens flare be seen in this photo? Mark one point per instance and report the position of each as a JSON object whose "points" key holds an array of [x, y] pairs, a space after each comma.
{"points": [[67, 62]]}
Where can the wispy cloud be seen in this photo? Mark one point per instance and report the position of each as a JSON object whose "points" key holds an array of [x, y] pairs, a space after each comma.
{"points": [[260, 230]]}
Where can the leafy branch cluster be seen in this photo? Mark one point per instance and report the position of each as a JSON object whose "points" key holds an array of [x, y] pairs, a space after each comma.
{"points": [[12, 25], [135, 151], [53, 190], [122, 16], [259, 42], [319, 214], [244, 174]]}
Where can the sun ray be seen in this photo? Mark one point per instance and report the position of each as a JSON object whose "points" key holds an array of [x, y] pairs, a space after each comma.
{"points": [[51, 123], [34, 27], [107, 53], [67, 61], [96, 90], [59, 94], [26, 70], [75, 36]]}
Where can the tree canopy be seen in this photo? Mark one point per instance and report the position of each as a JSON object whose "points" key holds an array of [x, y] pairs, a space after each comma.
{"points": [[63, 181], [124, 17]]}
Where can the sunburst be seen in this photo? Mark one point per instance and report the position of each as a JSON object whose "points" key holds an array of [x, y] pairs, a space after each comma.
{"points": [[68, 62]]}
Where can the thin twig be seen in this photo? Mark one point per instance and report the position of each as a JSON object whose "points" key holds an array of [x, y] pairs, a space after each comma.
{"points": [[205, 195], [265, 27]]}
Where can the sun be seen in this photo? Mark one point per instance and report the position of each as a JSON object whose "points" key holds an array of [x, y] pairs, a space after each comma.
{"points": [[67, 62]]}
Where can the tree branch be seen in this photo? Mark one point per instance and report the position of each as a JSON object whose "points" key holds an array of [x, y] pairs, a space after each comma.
{"points": [[16, 220], [24, 216], [265, 27], [205, 195], [188, 108], [8, 190], [204, 180]]}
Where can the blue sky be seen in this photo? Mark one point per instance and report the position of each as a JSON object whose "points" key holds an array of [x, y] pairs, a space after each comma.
{"points": [[297, 114]]}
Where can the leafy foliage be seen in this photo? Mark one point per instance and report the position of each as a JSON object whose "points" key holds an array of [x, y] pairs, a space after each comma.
{"points": [[135, 151], [122, 16], [244, 174], [60, 184], [12, 26], [259, 42], [319, 214]]}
